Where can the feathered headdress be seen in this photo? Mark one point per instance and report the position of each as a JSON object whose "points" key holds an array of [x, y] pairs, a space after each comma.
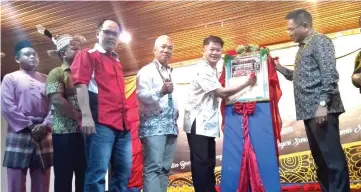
{"points": [[45, 31], [60, 41]]}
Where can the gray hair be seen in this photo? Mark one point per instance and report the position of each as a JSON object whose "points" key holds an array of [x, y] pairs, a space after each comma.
{"points": [[160, 38]]}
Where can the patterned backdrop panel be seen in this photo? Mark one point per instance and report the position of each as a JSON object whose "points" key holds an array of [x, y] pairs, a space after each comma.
{"points": [[186, 178], [300, 168], [294, 168]]}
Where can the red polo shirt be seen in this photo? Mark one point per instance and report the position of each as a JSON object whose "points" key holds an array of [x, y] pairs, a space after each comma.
{"points": [[103, 74]]}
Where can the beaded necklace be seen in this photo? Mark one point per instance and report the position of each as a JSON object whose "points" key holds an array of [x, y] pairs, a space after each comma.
{"points": [[300, 50]]}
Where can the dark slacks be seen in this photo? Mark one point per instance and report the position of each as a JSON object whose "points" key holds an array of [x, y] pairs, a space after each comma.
{"points": [[326, 149], [69, 159], [203, 161]]}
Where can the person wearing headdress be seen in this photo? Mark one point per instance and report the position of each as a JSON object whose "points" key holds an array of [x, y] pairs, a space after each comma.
{"points": [[68, 142], [356, 75], [26, 110]]}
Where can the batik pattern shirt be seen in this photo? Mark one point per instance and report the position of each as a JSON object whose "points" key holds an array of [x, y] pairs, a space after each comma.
{"points": [[202, 104], [59, 81], [157, 113], [315, 77]]}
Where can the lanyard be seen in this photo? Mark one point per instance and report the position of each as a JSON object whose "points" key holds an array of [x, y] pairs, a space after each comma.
{"points": [[160, 73], [300, 51], [170, 100]]}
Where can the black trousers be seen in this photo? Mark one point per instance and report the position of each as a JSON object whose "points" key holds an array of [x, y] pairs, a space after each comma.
{"points": [[69, 159], [203, 161], [326, 149]]}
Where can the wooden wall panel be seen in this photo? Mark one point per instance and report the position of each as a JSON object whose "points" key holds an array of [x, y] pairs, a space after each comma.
{"points": [[187, 22]]}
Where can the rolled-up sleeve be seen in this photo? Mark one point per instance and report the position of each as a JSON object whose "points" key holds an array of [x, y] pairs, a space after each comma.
{"points": [[82, 68], [324, 55]]}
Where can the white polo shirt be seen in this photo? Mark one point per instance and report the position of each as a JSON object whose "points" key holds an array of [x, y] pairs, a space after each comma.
{"points": [[202, 104]]}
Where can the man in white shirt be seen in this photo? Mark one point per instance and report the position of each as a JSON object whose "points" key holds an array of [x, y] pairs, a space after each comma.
{"points": [[158, 115], [201, 116]]}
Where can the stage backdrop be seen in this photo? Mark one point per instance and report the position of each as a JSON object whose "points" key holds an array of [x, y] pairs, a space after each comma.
{"points": [[296, 163]]}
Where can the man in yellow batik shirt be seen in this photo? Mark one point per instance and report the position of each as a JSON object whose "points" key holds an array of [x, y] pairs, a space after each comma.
{"points": [[68, 142]]}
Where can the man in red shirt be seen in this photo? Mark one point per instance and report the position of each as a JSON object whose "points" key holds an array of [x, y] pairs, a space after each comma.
{"points": [[98, 76]]}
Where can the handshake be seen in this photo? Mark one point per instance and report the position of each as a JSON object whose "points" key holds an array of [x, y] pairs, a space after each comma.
{"points": [[167, 87]]}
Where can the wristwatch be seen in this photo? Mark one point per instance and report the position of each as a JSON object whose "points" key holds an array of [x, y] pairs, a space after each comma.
{"points": [[322, 103]]}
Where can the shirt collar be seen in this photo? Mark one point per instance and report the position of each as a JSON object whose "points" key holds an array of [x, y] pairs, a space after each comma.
{"points": [[161, 66], [206, 62], [102, 50], [307, 39]]}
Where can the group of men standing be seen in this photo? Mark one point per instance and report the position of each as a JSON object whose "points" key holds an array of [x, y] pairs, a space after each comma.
{"points": [[87, 126]]}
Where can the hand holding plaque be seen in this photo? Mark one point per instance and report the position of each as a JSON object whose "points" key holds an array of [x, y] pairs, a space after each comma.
{"points": [[252, 80], [277, 64]]}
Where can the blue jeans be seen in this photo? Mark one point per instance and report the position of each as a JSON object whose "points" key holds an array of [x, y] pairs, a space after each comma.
{"points": [[158, 153], [108, 145]]}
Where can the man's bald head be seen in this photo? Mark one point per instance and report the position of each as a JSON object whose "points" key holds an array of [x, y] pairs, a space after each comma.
{"points": [[163, 49], [161, 39]]}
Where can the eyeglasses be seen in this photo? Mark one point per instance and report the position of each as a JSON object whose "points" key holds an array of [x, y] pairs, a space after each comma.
{"points": [[110, 33], [292, 29]]}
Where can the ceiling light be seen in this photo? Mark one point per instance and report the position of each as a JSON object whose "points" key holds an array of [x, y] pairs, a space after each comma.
{"points": [[125, 37]]}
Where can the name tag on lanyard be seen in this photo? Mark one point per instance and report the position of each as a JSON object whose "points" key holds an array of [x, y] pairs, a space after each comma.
{"points": [[170, 98]]}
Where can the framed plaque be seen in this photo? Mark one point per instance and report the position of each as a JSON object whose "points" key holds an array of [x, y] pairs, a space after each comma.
{"points": [[238, 68]]}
